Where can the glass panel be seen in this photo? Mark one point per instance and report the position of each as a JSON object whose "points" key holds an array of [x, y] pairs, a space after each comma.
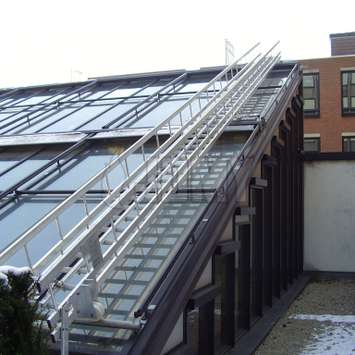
{"points": [[352, 102], [194, 87], [163, 111], [309, 104], [21, 215], [26, 168], [344, 77], [35, 99], [344, 90], [57, 96], [43, 121], [95, 95], [346, 147], [311, 144], [124, 92], [308, 81], [76, 119], [309, 93], [9, 158], [150, 90], [211, 170], [109, 116], [352, 144], [6, 101], [86, 165], [352, 78], [345, 102]]}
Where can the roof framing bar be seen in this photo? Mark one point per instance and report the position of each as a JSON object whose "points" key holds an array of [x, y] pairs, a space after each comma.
{"points": [[20, 162], [78, 91], [18, 100], [68, 114], [36, 172], [146, 103], [42, 102], [9, 93], [113, 106]]}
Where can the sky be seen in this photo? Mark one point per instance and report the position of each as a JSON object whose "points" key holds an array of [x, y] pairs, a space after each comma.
{"points": [[45, 41]]}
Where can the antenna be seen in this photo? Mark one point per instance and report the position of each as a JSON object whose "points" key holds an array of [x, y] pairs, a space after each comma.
{"points": [[229, 52], [75, 75]]}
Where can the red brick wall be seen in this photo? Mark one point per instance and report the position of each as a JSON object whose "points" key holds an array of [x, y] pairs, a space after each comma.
{"points": [[330, 123]]}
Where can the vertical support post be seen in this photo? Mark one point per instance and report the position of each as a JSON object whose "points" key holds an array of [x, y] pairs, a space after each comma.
{"points": [[64, 348], [283, 219], [206, 329], [257, 252], [244, 304], [276, 220], [228, 296], [267, 228]]}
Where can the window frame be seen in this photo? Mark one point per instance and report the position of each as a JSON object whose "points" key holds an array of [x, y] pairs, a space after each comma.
{"points": [[312, 113], [343, 139], [349, 111], [312, 138]]}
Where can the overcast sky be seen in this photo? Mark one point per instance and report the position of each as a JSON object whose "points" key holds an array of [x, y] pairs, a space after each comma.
{"points": [[45, 41]]}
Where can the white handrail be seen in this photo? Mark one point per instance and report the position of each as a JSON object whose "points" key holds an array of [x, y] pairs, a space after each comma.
{"points": [[239, 93], [121, 159]]}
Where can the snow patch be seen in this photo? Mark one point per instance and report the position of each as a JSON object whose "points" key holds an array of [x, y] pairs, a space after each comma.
{"points": [[337, 336], [335, 339], [17, 271], [325, 318]]}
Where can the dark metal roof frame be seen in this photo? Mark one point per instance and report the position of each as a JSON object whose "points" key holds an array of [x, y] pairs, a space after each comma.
{"points": [[177, 287], [78, 91], [87, 103]]}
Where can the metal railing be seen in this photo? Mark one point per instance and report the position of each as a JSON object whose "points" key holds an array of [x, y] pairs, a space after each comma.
{"points": [[122, 159], [206, 133], [142, 192]]}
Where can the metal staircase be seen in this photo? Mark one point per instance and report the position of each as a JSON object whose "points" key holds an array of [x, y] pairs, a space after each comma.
{"points": [[104, 267]]}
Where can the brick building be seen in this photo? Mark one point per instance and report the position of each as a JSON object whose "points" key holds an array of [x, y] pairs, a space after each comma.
{"points": [[329, 98]]}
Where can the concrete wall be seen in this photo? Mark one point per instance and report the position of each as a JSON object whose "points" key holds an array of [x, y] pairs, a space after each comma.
{"points": [[329, 216]]}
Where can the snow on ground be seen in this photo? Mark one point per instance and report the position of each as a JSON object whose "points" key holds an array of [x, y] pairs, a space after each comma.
{"points": [[320, 321], [335, 336], [325, 318]]}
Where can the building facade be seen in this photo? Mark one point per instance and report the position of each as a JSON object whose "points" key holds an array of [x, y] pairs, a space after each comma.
{"points": [[329, 100]]}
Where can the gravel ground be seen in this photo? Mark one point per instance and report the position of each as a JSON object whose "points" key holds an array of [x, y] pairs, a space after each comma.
{"points": [[296, 336]]}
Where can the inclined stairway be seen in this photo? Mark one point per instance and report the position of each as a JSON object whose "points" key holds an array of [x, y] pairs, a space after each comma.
{"points": [[130, 237]]}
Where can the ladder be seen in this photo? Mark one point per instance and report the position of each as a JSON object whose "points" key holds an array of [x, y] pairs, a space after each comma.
{"points": [[103, 239]]}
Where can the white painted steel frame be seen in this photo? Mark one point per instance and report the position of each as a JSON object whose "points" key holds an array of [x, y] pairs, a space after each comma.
{"points": [[222, 118], [121, 159], [181, 155]]}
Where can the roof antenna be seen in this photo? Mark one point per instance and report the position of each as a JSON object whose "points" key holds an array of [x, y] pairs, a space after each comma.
{"points": [[75, 75], [229, 52]]}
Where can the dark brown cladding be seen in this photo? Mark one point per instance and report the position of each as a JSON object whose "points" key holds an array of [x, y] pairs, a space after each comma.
{"points": [[342, 43]]}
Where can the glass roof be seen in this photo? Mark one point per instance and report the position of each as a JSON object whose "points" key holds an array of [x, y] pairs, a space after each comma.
{"points": [[37, 178]]}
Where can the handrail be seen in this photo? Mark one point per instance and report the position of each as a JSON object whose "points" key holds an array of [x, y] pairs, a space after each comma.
{"points": [[116, 203], [268, 111], [52, 215], [218, 120]]}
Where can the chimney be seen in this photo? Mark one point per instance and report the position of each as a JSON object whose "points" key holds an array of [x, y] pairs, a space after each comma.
{"points": [[342, 43]]}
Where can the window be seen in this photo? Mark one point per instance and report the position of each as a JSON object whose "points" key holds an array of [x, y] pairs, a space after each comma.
{"points": [[349, 144], [312, 144], [311, 94], [348, 92]]}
